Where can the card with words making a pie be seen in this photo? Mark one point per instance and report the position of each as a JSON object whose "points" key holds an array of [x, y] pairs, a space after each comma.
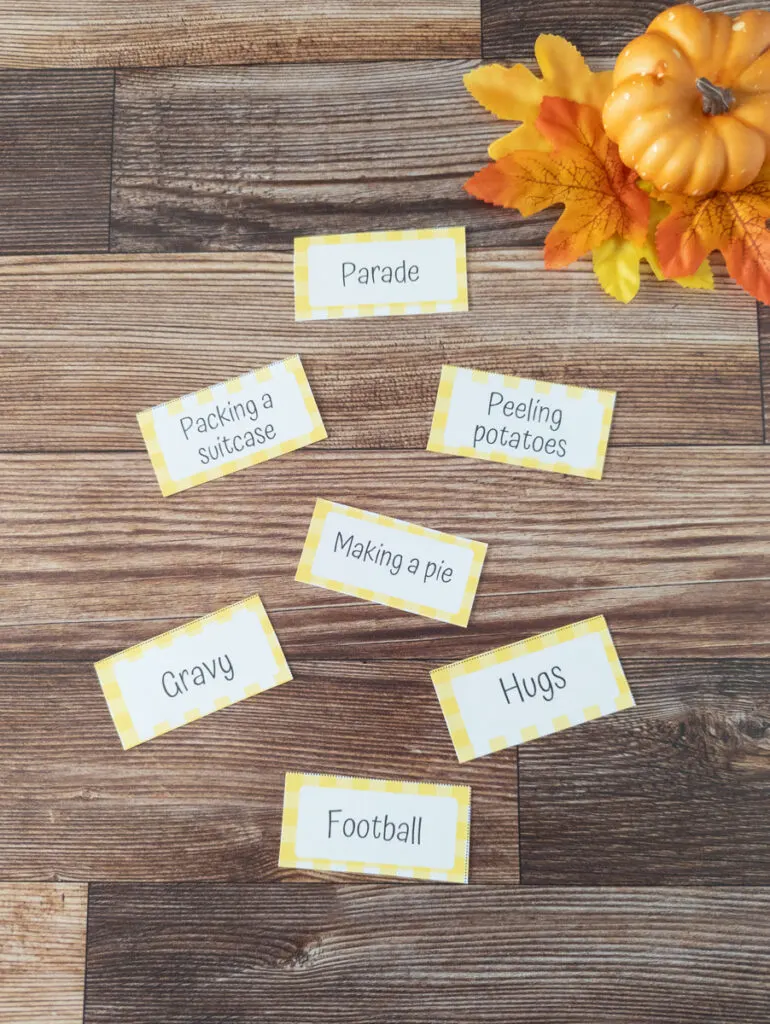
{"points": [[538, 686], [230, 426], [191, 671], [376, 827], [391, 562]]}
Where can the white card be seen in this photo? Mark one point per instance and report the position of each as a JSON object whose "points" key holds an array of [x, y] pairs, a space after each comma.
{"points": [[384, 273], [376, 826], [532, 688], [391, 562], [227, 427], [530, 423], [191, 671]]}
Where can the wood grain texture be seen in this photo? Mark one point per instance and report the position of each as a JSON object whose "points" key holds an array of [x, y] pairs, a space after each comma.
{"points": [[672, 792], [599, 29], [90, 537], [205, 801], [98, 339], [42, 953], [56, 131], [342, 955], [687, 620], [248, 158], [119, 33]]}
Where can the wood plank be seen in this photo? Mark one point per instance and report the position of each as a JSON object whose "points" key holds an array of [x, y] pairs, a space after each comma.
{"points": [[205, 801], [101, 338], [90, 537], [249, 157], [716, 620], [599, 30], [89, 33], [764, 357], [673, 792], [382, 954], [42, 953], [55, 160]]}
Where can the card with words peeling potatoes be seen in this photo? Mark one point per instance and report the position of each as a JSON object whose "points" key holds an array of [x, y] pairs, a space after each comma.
{"points": [[376, 827], [383, 273], [391, 562], [532, 688], [191, 671], [530, 423], [227, 427]]}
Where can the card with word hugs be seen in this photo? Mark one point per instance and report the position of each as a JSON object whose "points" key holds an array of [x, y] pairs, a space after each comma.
{"points": [[376, 827], [229, 426], [191, 671], [532, 688], [380, 273], [392, 562], [530, 423]]}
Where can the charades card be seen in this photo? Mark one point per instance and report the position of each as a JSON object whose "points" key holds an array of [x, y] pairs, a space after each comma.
{"points": [[532, 688], [191, 671], [382, 273], [227, 427], [376, 827], [522, 422], [391, 562]]}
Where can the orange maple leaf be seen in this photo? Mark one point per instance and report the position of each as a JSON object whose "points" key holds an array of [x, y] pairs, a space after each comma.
{"points": [[583, 172], [733, 222]]}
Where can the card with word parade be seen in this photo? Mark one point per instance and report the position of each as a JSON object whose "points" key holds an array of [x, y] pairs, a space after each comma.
{"points": [[380, 273]]}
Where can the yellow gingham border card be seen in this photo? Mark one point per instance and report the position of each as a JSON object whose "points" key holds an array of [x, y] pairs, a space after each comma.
{"points": [[488, 706], [320, 277], [162, 425], [457, 609], [498, 418], [143, 683], [439, 847]]}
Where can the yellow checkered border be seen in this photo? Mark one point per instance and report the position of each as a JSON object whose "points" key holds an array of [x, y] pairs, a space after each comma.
{"points": [[443, 680], [305, 569], [436, 442], [304, 311], [288, 857], [105, 670], [170, 486]]}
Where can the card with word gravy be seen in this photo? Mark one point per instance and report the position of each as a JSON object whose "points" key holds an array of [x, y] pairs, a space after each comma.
{"points": [[376, 827], [522, 422], [391, 562], [191, 671], [227, 427], [532, 688], [383, 273]]}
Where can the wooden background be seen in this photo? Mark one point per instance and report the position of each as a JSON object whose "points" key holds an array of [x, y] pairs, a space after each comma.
{"points": [[157, 158]]}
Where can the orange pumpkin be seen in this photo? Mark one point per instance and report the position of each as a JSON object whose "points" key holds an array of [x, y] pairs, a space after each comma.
{"points": [[690, 105]]}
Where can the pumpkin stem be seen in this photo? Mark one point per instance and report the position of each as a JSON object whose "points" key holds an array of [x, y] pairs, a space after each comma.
{"points": [[716, 99]]}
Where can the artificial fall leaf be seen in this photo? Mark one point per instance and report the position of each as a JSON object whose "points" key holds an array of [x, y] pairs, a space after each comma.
{"points": [[515, 94], [735, 223], [617, 262], [584, 172]]}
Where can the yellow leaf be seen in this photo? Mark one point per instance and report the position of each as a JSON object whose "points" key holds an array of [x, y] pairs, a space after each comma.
{"points": [[616, 262], [616, 265], [515, 94], [703, 278]]}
